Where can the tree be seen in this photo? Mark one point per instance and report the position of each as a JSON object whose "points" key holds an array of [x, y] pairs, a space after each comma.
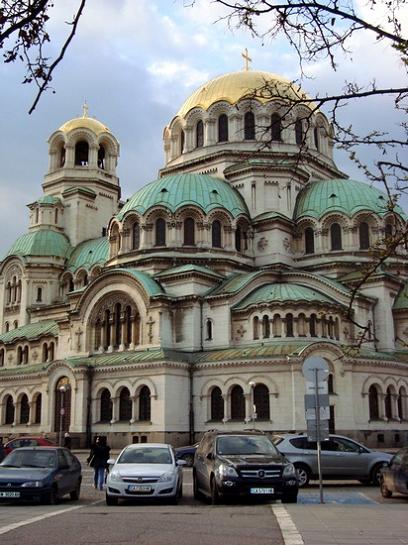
{"points": [[24, 36], [323, 29]]}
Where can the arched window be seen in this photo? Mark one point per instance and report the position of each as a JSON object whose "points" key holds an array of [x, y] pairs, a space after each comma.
{"points": [[98, 334], [189, 232], [106, 406], [238, 239], [299, 131], [216, 234], [364, 235], [101, 157], [51, 351], [25, 354], [135, 236], [19, 355], [316, 138], [160, 232], [39, 295], [107, 330], [128, 325], [7, 327], [81, 153], [237, 403], [15, 324], [125, 405], [335, 237], [9, 416], [388, 403], [62, 156], [144, 404], [309, 241], [266, 330], [45, 352], [182, 140], [276, 127], [400, 403], [373, 405], [118, 325], [223, 128], [261, 402], [217, 404], [330, 383], [1, 357], [24, 410], [389, 229], [256, 327], [249, 126], [199, 134], [209, 330], [37, 409], [289, 325]]}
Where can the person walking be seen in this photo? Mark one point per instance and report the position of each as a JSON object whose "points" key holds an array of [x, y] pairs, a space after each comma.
{"points": [[67, 441], [97, 459]]}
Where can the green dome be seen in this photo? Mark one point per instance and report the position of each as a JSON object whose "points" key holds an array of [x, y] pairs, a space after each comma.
{"points": [[283, 292], [179, 190], [41, 243], [344, 196], [89, 253]]}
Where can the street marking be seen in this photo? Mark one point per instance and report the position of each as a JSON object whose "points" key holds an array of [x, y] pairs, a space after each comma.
{"points": [[16, 525], [368, 498], [290, 533]]}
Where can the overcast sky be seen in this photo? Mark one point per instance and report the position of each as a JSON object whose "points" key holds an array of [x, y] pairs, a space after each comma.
{"points": [[135, 62]]}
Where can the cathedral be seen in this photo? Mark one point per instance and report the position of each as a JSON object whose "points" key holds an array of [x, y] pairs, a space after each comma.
{"points": [[193, 303]]}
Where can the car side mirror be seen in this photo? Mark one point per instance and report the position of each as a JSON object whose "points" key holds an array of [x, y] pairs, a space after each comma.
{"points": [[181, 463], [210, 456], [111, 461]]}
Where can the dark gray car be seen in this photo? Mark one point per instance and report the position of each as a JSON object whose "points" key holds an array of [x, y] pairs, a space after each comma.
{"points": [[342, 458]]}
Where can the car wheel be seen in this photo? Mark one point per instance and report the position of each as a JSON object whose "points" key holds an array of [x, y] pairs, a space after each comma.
{"points": [[51, 498], [189, 459], [385, 493], [215, 495], [74, 494], [111, 500], [180, 492], [376, 474], [303, 473], [289, 498]]}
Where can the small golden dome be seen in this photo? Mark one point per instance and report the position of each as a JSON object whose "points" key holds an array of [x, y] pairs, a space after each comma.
{"points": [[84, 122], [235, 86]]}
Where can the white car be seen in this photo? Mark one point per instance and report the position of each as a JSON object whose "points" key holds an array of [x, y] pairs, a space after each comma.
{"points": [[145, 471]]}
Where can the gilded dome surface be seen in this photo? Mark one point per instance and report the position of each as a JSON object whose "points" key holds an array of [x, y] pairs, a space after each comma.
{"points": [[344, 196], [179, 190], [235, 86], [84, 122]]}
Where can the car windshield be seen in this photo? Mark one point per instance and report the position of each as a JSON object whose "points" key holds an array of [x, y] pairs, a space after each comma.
{"points": [[146, 455], [31, 458], [245, 444]]}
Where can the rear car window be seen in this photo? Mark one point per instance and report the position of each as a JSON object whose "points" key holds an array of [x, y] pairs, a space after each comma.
{"points": [[245, 444]]}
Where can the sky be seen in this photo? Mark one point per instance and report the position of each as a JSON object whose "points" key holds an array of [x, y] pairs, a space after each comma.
{"points": [[135, 62]]}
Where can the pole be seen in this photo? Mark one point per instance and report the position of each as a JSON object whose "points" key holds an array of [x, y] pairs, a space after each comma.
{"points": [[317, 405]]}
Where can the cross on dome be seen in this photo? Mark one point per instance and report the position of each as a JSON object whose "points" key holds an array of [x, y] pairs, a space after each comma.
{"points": [[85, 109], [247, 59]]}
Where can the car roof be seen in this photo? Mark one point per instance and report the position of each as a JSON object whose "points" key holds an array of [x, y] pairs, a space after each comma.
{"points": [[150, 445], [41, 448], [243, 432]]}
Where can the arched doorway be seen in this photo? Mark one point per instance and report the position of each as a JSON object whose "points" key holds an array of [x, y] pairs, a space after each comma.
{"points": [[62, 409]]}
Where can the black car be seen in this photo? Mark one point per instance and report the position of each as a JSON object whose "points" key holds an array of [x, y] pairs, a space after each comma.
{"points": [[186, 453], [394, 477], [236, 464], [40, 473]]}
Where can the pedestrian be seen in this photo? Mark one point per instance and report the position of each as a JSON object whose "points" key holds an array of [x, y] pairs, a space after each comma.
{"points": [[98, 458], [67, 441]]}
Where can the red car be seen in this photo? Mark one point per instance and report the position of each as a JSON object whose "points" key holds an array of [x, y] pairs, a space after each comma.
{"points": [[27, 442]]}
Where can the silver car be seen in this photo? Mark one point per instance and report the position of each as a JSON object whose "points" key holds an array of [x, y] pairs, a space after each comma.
{"points": [[145, 471], [341, 458]]}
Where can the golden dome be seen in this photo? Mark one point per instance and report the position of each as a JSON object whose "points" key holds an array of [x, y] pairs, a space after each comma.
{"points": [[238, 85], [84, 122]]}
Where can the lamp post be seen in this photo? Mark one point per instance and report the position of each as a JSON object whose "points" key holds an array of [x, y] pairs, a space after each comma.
{"points": [[62, 389]]}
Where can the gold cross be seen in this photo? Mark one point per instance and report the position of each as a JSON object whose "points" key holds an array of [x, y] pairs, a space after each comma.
{"points": [[247, 59], [85, 109]]}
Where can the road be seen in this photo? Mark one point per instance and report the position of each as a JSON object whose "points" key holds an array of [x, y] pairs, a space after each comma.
{"points": [[89, 521]]}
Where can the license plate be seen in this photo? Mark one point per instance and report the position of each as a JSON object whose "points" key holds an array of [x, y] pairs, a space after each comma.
{"points": [[262, 490], [140, 488], [9, 494]]}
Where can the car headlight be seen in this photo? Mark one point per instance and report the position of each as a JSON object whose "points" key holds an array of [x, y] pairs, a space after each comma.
{"points": [[166, 477], [32, 484], [114, 476], [226, 471], [289, 470]]}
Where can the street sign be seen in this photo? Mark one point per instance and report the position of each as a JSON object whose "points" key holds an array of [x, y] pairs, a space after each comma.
{"points": [[315, 366], [324, 414], [314, 434], [310, 400], [322, 387]]}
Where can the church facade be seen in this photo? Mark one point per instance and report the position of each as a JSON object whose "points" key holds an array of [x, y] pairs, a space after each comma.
{"points": [[193, 304]]}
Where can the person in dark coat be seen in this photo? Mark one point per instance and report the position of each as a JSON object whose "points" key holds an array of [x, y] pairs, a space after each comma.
{"points": [[98, 458], [67, 441]]}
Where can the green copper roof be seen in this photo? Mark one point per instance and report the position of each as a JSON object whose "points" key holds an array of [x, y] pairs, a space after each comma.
{"points": [[89, 253], [179, 190], [234, 283], [41, 243], [188, 269], [48, 199], [150, 285], [30, 331], [401, 300], [344, 196], [277, 293]]}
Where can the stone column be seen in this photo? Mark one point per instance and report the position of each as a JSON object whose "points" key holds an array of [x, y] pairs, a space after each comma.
{"points": [[93, 156], [115, 409]]}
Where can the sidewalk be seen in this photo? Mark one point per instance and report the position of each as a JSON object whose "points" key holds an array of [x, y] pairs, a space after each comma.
{"points": [[334, 524]]}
